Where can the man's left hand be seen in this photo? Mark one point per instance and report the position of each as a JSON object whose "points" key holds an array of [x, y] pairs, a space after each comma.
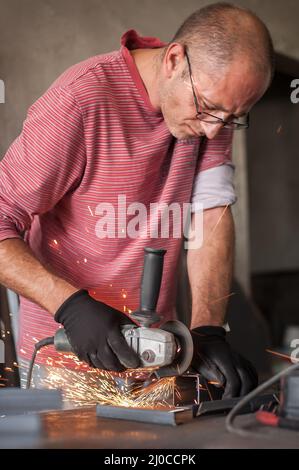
{"points": [[215, 360]]}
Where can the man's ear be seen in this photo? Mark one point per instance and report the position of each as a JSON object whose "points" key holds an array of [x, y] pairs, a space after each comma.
{"points": [[173, 59]]}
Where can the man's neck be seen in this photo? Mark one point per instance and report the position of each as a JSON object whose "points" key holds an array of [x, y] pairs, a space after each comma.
{"points": [[146, 61]]}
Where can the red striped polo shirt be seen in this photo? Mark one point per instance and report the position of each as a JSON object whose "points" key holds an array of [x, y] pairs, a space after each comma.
{"points": [[91, 137]]}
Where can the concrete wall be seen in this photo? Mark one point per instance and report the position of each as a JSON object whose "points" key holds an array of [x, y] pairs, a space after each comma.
{"points": [[273, 180], [241, 211], [39, 39]]}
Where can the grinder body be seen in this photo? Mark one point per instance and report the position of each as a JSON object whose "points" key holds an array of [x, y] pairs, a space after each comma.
{"points": [[154, 346]]}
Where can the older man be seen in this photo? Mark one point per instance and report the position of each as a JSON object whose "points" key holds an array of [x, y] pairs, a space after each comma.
{"points": [[152, 123]]}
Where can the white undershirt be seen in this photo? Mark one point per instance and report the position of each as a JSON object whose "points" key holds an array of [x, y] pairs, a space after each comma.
{"points": [[213, 188]]}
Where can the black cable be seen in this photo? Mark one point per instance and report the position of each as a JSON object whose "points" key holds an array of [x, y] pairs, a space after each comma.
{"points": [[245, 400], [41, 344]]}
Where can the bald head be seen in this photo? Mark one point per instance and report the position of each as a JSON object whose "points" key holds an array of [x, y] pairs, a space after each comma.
{"points": [[221, 33]]}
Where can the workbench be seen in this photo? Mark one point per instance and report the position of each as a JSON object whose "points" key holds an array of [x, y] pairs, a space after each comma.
{"points": [[81, 429]]}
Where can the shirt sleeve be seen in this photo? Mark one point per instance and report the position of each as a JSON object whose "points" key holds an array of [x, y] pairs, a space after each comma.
{"points": [[46, 161], [217, 151], [214, 188]]}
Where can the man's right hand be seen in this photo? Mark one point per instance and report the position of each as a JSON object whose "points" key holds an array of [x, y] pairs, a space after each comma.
{"points": [[94, 332]]}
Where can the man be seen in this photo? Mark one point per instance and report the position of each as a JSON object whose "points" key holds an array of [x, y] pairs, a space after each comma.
{"points": [[153, 123]]}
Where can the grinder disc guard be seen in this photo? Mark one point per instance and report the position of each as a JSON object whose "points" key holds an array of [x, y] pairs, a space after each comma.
{"points": [[184, 354]]}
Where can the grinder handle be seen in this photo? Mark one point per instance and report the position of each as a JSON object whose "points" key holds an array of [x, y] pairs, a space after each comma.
{"points": [[151, 278], [61, 341]]}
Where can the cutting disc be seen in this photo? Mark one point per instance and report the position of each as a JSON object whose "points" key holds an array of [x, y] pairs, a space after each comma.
{"points": [[184, 354]]}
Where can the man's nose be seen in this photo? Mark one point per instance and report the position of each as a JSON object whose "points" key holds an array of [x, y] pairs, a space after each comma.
{"points": [[211, 130]]}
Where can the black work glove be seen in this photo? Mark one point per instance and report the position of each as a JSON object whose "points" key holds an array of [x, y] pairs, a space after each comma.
{"points": [[93, 330], [215, 360]]}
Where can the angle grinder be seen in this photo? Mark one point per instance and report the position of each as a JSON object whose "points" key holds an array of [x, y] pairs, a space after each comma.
{"points": [[168, 350]]}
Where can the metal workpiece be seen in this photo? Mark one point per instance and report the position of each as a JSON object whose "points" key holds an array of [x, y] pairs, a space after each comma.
{"points": [[161, 395], [17, 401], [224, 406], [21, 431], [193, 389], [170, 416]]}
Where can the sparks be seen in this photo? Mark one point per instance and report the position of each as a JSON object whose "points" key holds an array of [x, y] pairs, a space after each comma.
{"points": [[97, 386], [218, 222], [283, 356], [212, 382], [222, 298]]}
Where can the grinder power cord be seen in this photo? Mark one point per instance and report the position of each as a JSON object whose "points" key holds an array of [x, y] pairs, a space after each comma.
{"points": [[236, 411]]}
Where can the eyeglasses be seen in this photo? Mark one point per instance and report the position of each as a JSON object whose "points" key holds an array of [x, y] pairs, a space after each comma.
{"points": [[210, 118]]}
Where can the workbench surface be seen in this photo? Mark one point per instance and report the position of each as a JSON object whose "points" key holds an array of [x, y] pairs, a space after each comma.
{"points": [[81, 428]]}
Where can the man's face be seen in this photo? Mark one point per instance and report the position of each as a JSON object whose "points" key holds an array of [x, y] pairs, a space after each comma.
{"points": [[228, 95]]}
